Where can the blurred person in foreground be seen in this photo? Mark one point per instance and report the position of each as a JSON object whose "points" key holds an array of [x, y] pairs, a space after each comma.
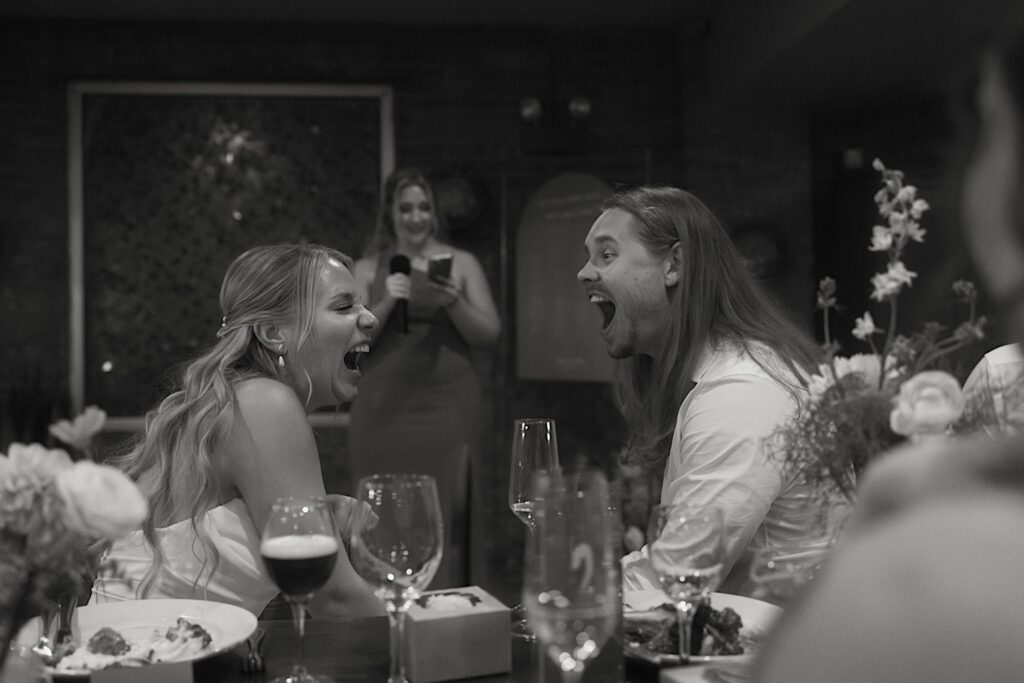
{"points": [[420, 404], [708, 367], [927, 584], [235, 435]]}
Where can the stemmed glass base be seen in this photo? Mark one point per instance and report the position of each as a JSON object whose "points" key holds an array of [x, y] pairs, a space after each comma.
{"points": [[303, 677], [519, 628], [298, 673]]}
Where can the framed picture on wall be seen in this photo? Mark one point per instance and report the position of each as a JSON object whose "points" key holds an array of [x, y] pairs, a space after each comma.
{"points": [[168, 182]]}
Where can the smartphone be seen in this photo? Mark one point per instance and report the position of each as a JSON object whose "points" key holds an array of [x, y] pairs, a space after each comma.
{"points": [[439, 266]]}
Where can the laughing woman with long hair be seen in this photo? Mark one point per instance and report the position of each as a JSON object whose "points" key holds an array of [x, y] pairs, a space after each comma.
{"points": [[235, 435]]}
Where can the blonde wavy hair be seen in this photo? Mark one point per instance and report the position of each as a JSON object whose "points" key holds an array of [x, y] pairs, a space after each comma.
{"points": [[265, 285]]}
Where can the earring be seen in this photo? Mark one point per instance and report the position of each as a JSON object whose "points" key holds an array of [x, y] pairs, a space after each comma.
{"points": [[280, 358]]}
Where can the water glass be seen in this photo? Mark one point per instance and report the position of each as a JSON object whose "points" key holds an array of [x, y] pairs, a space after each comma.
{"points": [[572, 587]]}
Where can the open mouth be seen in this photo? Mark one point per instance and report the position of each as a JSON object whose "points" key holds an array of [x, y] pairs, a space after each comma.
{"points": [[606, 307], [354, 357]]}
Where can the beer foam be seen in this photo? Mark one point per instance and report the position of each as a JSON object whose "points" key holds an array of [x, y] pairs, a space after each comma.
{"points": [[298, 547]]}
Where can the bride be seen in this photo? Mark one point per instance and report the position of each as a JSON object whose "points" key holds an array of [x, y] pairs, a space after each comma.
{"points": [[235, 435]]}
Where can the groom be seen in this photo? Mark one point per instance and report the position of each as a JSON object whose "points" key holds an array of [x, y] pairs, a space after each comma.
{"points": [[708, 367]]}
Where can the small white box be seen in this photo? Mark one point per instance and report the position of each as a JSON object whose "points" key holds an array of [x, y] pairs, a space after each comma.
{"points": [[456, 633]]}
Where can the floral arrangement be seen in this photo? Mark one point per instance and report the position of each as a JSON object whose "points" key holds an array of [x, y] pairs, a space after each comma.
{"points": [[54, 512], [865, 403]]}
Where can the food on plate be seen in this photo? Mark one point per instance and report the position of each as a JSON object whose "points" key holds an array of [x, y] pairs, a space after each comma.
{"points": [[107, 641], [716, 632], [109, 648]]}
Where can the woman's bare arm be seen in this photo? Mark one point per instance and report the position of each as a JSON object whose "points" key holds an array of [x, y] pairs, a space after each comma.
{"points": [[273, 453]]}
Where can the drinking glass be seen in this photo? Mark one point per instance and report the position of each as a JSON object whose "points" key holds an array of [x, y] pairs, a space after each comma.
{"points": [[571, 588], [779, 575], [781, 569], [534, 447], [687, 548], [299, 550], [400, 550]]}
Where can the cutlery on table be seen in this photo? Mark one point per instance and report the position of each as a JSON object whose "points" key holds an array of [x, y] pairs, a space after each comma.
{"points": [[253, 661]]}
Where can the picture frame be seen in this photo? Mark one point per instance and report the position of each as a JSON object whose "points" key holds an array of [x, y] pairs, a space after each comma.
{"points": [[169, 181]]}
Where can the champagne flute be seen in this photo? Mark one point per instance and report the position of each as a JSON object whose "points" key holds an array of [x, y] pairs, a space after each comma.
{"points": [[400, 550], [571, 589], [534, 447], [299, 550], [687, 549]]}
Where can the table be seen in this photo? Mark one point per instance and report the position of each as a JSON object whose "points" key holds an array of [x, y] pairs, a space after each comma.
{"points": [[357, 650]]}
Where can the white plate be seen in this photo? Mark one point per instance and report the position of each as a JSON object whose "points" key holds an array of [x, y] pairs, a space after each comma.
{"points": [[136, 619], [757, 615]]}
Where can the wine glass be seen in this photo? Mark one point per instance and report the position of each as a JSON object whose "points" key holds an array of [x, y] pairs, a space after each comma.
{"points": [[781, 569], [400, 549], [299, 550], [534, 447], [571, 588], [779, 575], [687, 548]]}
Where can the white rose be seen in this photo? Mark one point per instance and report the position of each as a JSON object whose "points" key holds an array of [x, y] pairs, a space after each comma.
{"points": [[927, 403], [44, 461], [101, 501]]}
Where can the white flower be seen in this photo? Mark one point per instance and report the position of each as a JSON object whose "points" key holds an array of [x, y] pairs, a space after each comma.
{"points": [[878, 165], [907, 193], [881, 239], [865, 327], [928, 403], [817, 385], [35, 457], [899, 272], [915, 231], [890, 283], [867, 365], [918, 208], [100, 501], [79, 432], [885, 286], [898, 223]]}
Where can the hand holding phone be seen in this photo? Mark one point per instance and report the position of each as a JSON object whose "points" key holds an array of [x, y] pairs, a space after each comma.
{"points": [[439, 267]]}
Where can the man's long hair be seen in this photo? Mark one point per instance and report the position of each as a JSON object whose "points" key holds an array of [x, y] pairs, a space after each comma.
{"points": [[716, 301]]}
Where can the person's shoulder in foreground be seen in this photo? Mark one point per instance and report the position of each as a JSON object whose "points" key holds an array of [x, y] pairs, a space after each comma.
{"points": [[926, 586]]}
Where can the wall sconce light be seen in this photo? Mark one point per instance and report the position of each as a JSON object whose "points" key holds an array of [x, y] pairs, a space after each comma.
{"points": [[579, 109], [530, 110]]}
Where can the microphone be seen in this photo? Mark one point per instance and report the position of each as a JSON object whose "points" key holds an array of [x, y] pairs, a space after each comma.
{"points": [[400, 264]]}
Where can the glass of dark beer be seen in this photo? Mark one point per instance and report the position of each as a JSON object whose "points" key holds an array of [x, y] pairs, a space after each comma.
{"points": [[300, 548]]}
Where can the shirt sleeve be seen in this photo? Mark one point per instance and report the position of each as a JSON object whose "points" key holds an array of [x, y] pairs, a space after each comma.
{"points": [[718, 459]]}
